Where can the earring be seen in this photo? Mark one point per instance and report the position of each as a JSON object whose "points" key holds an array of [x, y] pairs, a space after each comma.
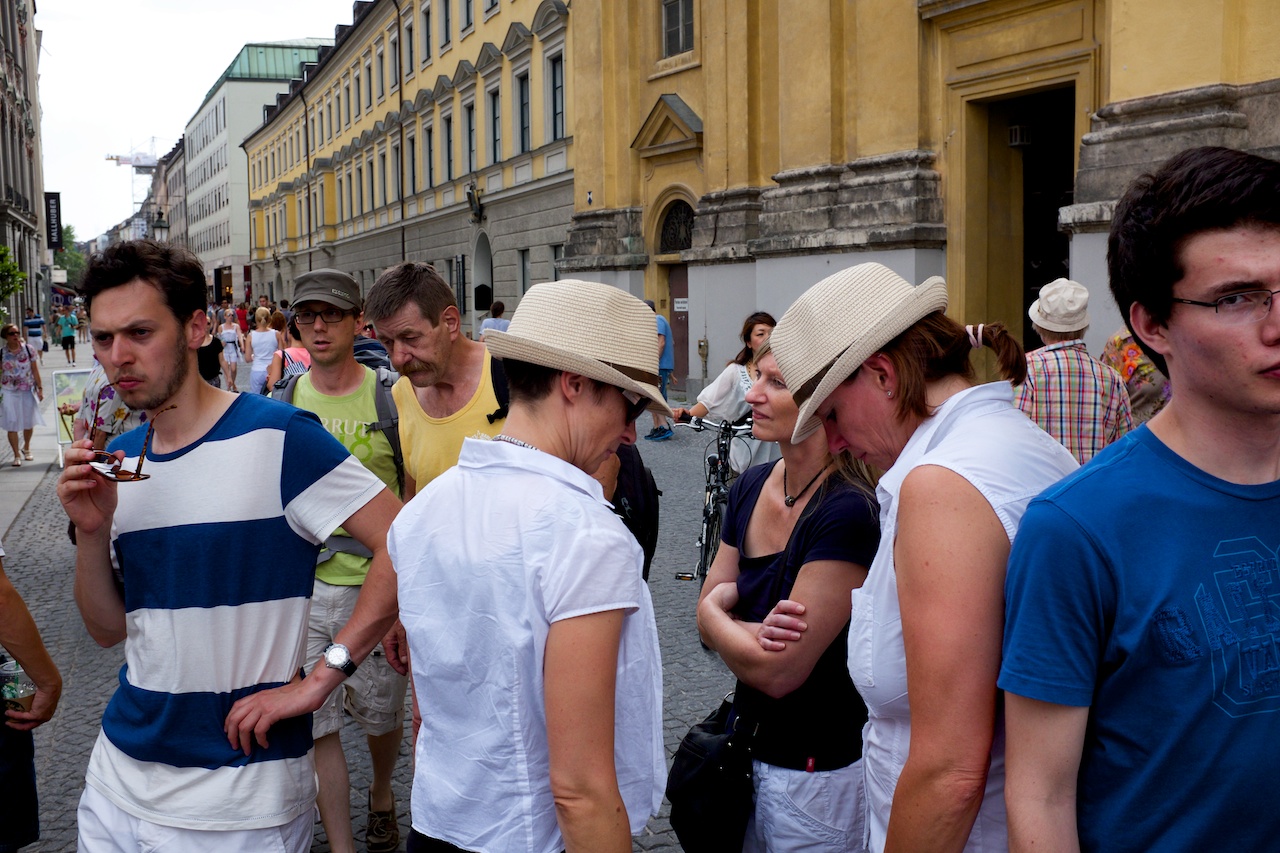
{"points": [[890, 394]]}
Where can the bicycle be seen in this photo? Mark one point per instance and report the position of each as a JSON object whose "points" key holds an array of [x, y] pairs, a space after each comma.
{"points": [[716, 502]]}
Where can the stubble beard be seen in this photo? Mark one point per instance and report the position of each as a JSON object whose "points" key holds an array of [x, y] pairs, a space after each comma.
{"points": [[158, 399]]}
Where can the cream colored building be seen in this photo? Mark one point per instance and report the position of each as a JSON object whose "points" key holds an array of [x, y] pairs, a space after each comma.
{"points": [[433, 130], [729, 153]]}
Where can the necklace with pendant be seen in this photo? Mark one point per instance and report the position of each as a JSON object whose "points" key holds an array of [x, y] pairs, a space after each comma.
{"points": [[789, 499]]}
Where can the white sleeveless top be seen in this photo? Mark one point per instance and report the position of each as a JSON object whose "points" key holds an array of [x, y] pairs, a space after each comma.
{"points": [[981, 436]]}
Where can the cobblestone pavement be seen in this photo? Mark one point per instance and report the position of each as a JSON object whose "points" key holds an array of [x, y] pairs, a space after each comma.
{"points": [[40, 562]]}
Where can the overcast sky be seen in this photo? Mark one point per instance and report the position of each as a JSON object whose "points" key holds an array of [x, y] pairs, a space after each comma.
{"points": [[122, 77]]}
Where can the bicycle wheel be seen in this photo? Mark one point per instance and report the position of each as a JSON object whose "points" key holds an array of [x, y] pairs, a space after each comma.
{"points": [[709, 543]]}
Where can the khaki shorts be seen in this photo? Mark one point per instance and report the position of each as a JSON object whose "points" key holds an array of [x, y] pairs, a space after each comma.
{"points": [[374, 696]]}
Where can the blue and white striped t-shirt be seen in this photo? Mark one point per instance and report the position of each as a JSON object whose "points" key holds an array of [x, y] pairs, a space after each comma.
{"points": [[217, 585]]}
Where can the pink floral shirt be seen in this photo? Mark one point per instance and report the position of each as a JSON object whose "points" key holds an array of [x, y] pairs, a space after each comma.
{"points": [[18, 375]]}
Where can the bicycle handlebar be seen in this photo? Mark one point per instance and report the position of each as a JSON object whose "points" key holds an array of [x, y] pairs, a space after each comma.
{"points": [[701, 424]]}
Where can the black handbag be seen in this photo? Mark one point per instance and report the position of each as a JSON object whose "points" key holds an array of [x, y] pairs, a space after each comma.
{"points": [[710, 785]]}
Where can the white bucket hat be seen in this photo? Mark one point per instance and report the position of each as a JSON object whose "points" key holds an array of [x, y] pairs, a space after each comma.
{"points": [[839, 323], [1063, 306], [588, 328]]}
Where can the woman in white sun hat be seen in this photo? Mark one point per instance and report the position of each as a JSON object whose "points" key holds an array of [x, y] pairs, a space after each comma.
{"points": [[877, 363], [532, 635]]}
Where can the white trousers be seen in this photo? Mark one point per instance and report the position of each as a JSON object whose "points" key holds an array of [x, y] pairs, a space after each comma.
{"points": [[813, 812], [104, 827]]}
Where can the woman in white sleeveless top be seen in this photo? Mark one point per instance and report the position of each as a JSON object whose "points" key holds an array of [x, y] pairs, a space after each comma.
{"points": [[879, 365]]}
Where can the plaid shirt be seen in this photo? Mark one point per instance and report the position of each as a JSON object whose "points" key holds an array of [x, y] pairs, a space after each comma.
{"points": [[1075, 398]]}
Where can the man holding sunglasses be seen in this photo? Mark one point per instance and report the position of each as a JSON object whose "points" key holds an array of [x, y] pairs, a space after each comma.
{"points": [[210, 590], [343, 393]]}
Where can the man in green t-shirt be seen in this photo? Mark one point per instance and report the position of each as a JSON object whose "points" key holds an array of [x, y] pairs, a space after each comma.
{"points": [[341, 392]]}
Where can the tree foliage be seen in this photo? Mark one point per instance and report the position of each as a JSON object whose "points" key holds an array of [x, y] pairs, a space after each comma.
{"points": [[11, 278], [69, 257]]}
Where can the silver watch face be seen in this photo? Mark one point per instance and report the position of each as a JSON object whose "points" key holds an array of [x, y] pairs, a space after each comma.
{"points": [[337, 656]]}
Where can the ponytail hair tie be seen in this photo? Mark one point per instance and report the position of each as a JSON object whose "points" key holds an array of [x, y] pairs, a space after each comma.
{"points": [[975, 341]]}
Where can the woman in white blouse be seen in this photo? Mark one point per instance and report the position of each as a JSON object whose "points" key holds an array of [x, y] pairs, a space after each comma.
{"points": [[725, 398]]}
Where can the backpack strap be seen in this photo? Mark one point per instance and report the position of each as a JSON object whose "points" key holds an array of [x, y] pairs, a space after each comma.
{"points": [[283, 389], [388, 422], [498, 375]]}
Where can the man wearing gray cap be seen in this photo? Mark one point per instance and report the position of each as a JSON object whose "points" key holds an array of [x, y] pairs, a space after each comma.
{"points": [[1071, 395], [347, 397]]}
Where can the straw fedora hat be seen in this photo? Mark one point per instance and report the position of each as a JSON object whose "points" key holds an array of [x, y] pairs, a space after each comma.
{"points": [[588, 328], [839, 323]]}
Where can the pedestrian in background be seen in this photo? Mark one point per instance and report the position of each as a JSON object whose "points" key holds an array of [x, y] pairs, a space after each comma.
{"points": [[34, 324], [494, 320], [666, 366], [726, 396], [1148, 387], [260, 345], [67, 323], [21, 392], [1068, 393], [232, 347]]}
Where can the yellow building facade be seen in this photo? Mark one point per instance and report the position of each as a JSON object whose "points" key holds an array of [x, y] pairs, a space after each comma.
{"points": [[432, 130], [730, 153]]}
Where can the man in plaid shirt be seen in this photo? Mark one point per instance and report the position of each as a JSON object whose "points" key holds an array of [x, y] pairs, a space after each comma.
{"points": [[1072, 396]]}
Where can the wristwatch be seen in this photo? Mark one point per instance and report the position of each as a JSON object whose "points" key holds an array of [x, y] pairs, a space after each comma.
{"points": [[338, 656]]}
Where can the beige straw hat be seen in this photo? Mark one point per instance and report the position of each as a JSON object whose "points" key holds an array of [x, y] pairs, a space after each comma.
{"points": [[839, 323], [588, 328]]}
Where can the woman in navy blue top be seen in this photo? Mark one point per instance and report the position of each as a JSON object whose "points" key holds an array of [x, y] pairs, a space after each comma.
{"points": [[803, 528]]}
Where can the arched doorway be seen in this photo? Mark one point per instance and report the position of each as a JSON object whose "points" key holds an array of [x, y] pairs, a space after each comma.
{"points": [[481, 278], [675, 237]]}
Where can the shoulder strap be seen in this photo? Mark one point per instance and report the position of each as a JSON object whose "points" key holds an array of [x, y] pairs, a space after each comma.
{"points": [[388, 422], [283, 389], [498, 375]]}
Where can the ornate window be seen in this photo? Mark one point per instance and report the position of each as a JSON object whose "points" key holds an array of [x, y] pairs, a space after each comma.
{"points": [[677, 229]]}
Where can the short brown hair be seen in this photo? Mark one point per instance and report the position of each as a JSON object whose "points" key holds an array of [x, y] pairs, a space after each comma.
{"points": [[410, 281]]}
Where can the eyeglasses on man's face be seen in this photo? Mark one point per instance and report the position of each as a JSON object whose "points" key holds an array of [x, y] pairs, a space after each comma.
{"points": [[1249, 306], [329, 315], [110, 467]]}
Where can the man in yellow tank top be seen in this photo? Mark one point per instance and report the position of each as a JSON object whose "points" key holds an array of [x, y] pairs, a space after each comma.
{"points": [[445, 392]]}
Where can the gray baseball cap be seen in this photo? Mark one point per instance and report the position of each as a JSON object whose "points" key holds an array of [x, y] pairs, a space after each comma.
{"points": [[333, 287]]}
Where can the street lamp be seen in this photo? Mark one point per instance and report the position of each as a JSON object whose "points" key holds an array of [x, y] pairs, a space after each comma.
{"points": [[160, 228]]}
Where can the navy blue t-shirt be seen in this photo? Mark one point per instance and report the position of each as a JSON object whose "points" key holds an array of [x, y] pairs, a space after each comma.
{"points": [[823, 718]]}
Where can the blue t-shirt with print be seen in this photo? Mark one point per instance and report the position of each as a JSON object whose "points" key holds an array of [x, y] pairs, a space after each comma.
{"points": [[1169, 634]]}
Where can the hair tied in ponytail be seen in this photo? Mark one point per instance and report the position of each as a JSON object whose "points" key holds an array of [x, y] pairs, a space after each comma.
{"points": [[975, 340]]}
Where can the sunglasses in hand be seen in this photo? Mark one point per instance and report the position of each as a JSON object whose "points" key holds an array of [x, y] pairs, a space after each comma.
{"points": [[111, 468]]}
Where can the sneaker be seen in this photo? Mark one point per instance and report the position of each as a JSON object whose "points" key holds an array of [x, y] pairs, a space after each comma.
{"points": [[382, 831], [662, 433], [648, 436]]}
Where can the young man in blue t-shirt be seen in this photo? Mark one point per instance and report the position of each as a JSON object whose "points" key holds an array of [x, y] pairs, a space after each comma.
{"points": [[1141, 668]]}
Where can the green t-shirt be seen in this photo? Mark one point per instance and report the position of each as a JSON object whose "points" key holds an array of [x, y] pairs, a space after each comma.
{"points": [[347, 419], [67, 324]]}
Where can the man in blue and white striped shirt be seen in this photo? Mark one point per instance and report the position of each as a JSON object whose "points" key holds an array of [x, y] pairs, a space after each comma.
{"points": [[210, 590]]}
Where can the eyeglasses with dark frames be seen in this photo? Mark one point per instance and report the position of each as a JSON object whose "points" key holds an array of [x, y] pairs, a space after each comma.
{"points": [[110, 467], [1249, 306], [329, 315]]}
